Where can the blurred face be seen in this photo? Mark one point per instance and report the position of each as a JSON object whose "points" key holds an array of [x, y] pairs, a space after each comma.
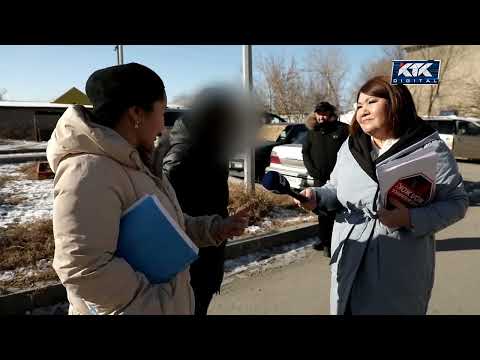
{"points": [[150, 124], [372, 115]]}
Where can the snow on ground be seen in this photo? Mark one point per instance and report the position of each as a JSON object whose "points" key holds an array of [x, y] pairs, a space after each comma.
{"points": [[38, 203], [260, 261], [21, 276], [285, 216], [37, 194], [41, 266], [6, 144]]}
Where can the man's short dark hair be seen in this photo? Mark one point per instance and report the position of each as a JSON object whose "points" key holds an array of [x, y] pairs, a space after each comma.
{"points": [[325, 107]]}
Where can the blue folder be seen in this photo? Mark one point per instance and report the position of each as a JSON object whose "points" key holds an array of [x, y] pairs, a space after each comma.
{"points": [[152, 242]]}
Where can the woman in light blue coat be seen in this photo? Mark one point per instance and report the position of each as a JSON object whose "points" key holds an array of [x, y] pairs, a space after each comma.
{"points": [[383, 261]]}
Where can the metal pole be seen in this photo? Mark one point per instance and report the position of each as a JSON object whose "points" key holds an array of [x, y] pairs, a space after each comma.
{"points": [[121, 53], [118, 54], [249, 163], [119, 50], [35, 127]]}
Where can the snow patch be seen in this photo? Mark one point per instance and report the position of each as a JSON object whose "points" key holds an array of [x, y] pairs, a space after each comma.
{"points": [[40, 267], [37, 194], [260, 261]]}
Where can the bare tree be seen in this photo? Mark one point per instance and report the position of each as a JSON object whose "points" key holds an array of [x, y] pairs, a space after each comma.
{"points": [[381, 66], [288, 89], [281, 85], [450, 56], [328, 70], [471, 104], [2, 93], [425, 96]]}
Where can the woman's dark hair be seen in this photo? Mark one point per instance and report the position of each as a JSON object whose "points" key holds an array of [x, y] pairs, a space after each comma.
{"points": [[115, 89], [110, 115], [401, 113]]}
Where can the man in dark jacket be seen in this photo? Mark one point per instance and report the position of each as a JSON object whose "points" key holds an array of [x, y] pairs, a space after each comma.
{"points": [[325, 137], [196, 164]]}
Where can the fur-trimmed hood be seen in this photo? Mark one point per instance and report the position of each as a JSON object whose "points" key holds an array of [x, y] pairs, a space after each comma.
{"points": [[310, 121]]}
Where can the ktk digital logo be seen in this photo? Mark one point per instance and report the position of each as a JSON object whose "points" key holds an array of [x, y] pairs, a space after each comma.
{"points": [[415, 72]]}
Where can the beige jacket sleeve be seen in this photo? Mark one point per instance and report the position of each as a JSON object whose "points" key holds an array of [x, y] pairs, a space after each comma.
{"points": [[87, 210], [203, 230]]}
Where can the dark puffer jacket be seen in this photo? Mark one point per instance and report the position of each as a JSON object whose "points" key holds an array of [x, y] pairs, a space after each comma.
{"points": [[198, 172], [321, 147]]}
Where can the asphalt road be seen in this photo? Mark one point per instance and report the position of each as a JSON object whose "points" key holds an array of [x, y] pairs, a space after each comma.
{"points": [[303, 287]]}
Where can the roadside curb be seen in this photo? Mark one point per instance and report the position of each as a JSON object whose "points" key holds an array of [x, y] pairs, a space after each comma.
{"points": [[21, 302], [241, 247]]}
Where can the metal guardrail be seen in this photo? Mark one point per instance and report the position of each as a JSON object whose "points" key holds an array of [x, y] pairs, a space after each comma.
{"points": [[22, 158], [22, 151]]}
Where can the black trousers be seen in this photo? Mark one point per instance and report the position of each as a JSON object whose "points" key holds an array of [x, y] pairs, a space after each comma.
{"points": [[206, 276], [202, 301]]}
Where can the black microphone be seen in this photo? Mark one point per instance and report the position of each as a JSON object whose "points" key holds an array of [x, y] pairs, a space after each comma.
{"points": [[278, 184]]}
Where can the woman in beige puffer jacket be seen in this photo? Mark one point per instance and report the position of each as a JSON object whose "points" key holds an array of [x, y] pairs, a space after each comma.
{"points": [[99, 173]]}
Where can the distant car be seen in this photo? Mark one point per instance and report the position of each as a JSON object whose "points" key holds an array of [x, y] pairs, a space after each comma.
{"points": [[461, 134], [173, 113], [269, 118], [282, 134], [288, 161]]}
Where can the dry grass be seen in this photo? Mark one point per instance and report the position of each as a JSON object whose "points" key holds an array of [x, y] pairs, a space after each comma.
{"points": [[24, 244], [23, 282], [30, 171], [12, 200], [6, 178], [260, 203]]}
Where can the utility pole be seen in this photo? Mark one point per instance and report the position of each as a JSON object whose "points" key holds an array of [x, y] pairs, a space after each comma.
{"points": [[119, 50], [249, 163]]}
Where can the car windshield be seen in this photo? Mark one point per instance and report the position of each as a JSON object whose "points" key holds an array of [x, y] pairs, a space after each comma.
{"points": [[300, 137], [443, 126], [172, 116]]}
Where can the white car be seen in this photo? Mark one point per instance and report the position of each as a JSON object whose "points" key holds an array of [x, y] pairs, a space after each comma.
{"points": [[461, 134], [288, 161]]}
